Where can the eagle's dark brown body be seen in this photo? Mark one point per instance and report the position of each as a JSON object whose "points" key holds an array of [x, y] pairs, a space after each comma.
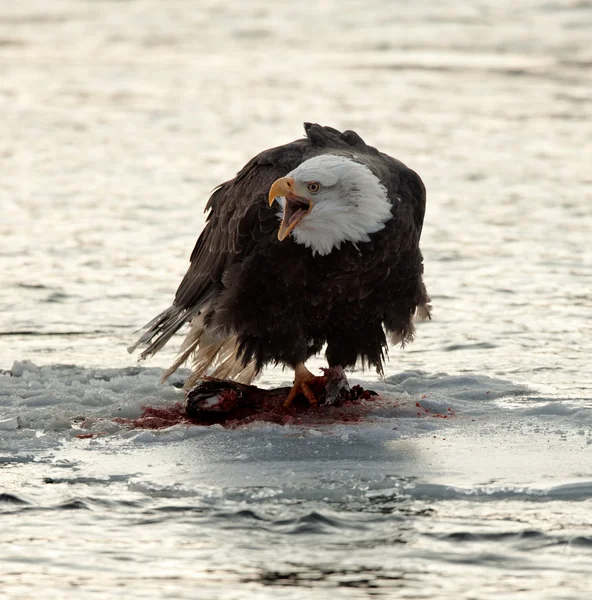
{"points": [[343, 299], [282, 302]]}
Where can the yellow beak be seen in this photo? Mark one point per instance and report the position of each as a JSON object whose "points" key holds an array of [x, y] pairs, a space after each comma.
{"points": [[295, 207], [280, 187]]}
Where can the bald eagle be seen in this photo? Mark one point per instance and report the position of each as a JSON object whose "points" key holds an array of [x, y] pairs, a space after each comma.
{"points": [[313, 243]]}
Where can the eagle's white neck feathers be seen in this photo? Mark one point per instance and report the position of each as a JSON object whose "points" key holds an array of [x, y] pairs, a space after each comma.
{"points": [[351, 204]]}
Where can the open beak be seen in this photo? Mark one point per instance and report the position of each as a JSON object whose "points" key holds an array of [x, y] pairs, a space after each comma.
{"points": [[295, 208]]}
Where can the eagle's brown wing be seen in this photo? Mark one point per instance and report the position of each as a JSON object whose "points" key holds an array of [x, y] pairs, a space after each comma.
{"points": [[239, 218]]}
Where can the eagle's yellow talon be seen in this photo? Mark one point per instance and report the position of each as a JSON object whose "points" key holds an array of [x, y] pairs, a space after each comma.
{"points": [[303, 379]]}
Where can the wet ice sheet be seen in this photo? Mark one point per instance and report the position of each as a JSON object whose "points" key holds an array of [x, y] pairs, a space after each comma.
{"points": [[45, 406], [497, 491]]}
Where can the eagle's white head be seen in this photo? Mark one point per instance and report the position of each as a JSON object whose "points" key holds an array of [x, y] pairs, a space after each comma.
{"points": [[328, 200]]}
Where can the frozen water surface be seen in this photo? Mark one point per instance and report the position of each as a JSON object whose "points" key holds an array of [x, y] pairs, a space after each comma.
{"points": [[118, 118]]}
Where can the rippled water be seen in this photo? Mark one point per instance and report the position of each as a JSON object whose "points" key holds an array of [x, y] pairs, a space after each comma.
{"points": [[118, 118]]}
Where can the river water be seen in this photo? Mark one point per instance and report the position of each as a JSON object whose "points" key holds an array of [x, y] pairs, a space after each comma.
{"points": [[118, 118]]}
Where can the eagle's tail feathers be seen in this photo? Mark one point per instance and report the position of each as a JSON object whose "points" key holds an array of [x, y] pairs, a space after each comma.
{"points": [[190, 345], [160, 330], [230, 366], [221, 354]]}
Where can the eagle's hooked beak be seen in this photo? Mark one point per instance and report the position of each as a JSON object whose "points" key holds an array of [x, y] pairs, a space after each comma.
{"points": [[295, 208]]}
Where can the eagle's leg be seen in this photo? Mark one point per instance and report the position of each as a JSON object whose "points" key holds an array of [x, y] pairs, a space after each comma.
{"points": [[304, 381]]}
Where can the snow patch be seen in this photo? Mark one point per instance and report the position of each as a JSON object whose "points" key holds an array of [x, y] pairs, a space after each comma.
{"points": [[43, 405]]}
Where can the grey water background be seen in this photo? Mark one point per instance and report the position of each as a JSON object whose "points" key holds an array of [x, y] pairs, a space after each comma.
{"points": [[117, 120]]}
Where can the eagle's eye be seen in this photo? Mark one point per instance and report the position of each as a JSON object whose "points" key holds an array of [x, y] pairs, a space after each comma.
{"points": [[313, 187]]}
